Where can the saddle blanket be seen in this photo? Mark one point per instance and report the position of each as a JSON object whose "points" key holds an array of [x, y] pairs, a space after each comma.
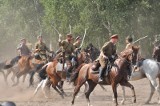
{"points": [[59, 66]]}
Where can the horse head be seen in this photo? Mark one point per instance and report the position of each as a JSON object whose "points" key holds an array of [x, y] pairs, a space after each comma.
{"points": [[156, 52]]}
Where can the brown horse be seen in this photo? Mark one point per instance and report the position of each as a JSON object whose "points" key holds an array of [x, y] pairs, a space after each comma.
{"points": [[25, 66], [156, 53], [56, 76], [117, 75]]}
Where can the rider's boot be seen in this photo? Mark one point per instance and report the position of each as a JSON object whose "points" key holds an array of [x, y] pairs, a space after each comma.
{"points": [[100, 75]]}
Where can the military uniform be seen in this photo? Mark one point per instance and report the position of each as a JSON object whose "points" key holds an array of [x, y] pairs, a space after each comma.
{"points": [[109, 51], [42, 48], [67, 48], [24, 50]]}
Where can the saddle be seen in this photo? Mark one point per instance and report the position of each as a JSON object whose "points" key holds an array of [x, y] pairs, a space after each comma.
{"points": [[96, 68]]}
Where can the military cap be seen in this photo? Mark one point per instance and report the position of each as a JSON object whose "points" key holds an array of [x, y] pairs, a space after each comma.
{"points": [[39, 36], [22, 39], [115, 36], [69, 35]]}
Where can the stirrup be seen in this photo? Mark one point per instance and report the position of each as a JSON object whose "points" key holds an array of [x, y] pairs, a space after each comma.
{"points": [[100, 80]]}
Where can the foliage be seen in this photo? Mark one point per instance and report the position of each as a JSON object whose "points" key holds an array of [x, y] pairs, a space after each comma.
{"points": [[101, 18]]}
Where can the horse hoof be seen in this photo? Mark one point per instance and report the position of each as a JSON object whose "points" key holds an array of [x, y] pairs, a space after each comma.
{"points": [[134, 101], [147, 102], [122, 102]]}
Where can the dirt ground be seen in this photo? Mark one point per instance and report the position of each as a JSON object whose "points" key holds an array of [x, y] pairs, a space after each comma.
{"points": [[21, 95]]}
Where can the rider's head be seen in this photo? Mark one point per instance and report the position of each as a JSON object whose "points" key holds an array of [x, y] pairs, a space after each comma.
{"points": [[129, 39], [23, 41], [69, 37], [114, 38], [39, 38]]}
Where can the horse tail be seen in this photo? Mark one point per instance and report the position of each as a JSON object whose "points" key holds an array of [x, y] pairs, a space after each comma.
{"points": [[43, 73], [12, 63], [74, 76]]}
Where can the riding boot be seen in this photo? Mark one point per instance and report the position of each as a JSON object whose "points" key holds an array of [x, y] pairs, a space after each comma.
{"points": [[101, 75]]}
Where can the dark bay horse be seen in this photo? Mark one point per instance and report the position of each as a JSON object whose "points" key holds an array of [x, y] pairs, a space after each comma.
{"points": [[92, 51], [117, 75], [49, 73]]}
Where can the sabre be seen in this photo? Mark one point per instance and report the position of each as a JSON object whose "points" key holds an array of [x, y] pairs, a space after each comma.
{"points": [[83, 37], [140, 39], [55, 28]]}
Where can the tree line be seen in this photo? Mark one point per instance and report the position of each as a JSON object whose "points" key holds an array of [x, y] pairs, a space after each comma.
{"points": [[101, 18]]}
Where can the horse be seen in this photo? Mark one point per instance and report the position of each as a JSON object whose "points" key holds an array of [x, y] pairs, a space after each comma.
{"points": [[156, 53], [149, 69], [117, 75], [92, 51], [50, 74]]}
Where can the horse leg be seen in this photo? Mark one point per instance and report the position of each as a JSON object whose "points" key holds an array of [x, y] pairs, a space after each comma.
{"points": [[3, 75], [6, 76], [92, 85], [114, 88], [31, 78], [37, 89], [13, 76], [58, 91], [151, 93], [46, 87], [124, 97], [18, 76], [77, 88], [24, 77], [127, 84], [60, 86]]}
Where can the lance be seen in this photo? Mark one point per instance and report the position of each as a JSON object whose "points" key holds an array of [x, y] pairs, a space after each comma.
{"points": [[140, 39], [83, 37]]}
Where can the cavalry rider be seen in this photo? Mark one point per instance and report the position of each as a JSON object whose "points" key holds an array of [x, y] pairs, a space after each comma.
{"points": [[67, 50], [23, 51], [129, 41], [23, 48], [107, 55], [41, 49]]}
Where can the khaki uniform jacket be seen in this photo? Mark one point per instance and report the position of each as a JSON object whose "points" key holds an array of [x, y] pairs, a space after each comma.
{"points": [[41, 47], [108, 49], [66, 47]]}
